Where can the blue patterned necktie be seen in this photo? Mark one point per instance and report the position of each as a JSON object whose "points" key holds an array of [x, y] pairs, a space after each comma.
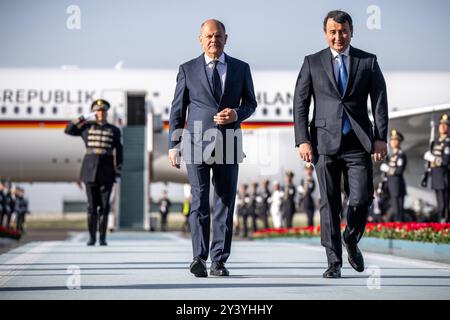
{"points": [[217, 83], [342, 83]]}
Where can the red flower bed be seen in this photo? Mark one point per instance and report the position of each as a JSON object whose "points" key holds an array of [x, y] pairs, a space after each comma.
{"points": [[425, 232], [9, 233]]}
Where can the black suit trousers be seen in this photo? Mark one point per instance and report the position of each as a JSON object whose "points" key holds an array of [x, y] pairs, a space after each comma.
{"points": [[353, 163]]}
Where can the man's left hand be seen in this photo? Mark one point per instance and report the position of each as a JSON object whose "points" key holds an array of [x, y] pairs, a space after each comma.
{"points": [[380, 150], [226, 116]]}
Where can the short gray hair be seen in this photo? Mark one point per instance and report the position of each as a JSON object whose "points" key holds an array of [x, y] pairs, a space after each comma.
{"points": [[216, 21]]}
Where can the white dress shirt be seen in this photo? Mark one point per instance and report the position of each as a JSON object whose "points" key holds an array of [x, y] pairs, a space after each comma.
{"points": [[337, 65], [221, 68]]}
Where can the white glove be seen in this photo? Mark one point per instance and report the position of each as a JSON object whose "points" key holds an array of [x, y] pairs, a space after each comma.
{"points": [[384, 167], [428, 156], [88, 116]]}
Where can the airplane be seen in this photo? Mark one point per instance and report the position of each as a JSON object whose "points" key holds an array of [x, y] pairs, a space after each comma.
{"points": [[36, 104]]}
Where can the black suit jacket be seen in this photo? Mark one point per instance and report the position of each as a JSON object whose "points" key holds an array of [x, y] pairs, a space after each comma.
{"points": [[316, 80]]}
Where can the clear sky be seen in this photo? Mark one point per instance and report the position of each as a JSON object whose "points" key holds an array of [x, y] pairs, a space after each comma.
{"points": [[270, 34]]}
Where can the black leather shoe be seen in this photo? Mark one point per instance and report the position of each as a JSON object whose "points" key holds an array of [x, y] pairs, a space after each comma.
{"points": [[91, 242], [355, 257], [103, 243], [333, 271], [218, 269], [198, 267]]}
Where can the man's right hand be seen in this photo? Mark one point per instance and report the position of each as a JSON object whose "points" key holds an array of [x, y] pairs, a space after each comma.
{"points": [[174, 158], [305, 152]]}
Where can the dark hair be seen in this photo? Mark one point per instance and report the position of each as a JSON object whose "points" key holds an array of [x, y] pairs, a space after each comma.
{"points": [[216, 21], [338, 16]]}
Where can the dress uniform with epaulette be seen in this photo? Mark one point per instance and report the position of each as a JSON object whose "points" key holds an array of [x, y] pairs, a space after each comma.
{"points": [[394, 166], [307, 187], [439, 166], [99, 168], [288, 206]]}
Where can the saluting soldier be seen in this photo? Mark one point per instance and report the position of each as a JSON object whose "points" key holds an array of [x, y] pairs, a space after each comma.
{"points": [[306, 189], [102, 163], [288, 199], [438, 160], [394, 166]]}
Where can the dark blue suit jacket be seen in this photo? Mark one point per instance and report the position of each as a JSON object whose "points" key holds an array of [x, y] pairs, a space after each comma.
{"points": [[194, 99]]}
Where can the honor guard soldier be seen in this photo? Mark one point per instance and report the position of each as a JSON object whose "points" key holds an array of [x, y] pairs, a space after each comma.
{"points": [[394, 166], [2, 202], [101, 164], [8, 202], [288, 199], [244, 207], [164, 209], [254, 202], [306, 189], [438, 159], [21, 209], [263, 204]]}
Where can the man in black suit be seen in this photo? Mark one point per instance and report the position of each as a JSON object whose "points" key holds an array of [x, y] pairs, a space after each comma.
{"points": [[214, 94], [341, 137]]}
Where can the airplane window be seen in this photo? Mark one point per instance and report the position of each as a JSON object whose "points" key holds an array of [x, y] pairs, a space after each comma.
{"points": [[264, 111], [166, 111], [29, 110], [290, 111], [3, 109], [16, 109], [66, 160], [156, 94], [41, 110], [54, 160], [55, 110], [80, 110], [277, 111]]}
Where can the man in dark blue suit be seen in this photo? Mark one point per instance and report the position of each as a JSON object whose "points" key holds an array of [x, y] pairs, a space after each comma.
{"points": [[216, 93], [341, 138]]}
